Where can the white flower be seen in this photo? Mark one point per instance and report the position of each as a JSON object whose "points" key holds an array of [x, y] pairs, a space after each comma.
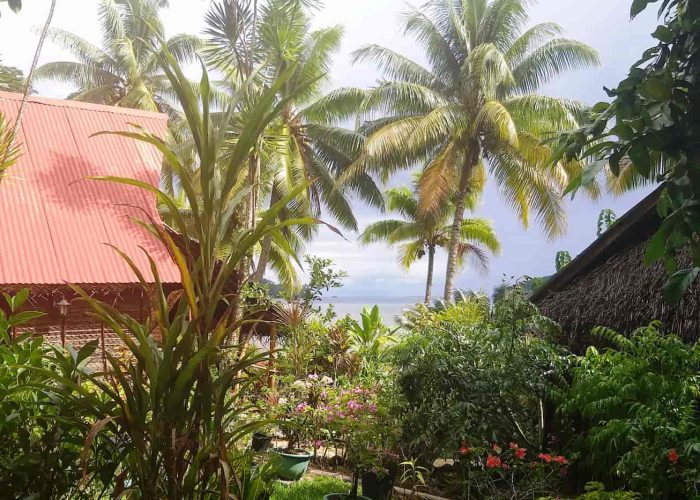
{"points": [[326, 380]]}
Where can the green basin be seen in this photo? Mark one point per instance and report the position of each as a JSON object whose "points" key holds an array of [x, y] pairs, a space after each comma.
{"points": [[289, 466]]}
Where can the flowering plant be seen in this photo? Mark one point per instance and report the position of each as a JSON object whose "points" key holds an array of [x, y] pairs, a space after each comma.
{"points": [[512, 470], [297, 408]]}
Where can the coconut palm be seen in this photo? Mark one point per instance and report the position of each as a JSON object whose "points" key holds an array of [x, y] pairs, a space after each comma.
{"points": [[306, 140], [124, 71], [476, 103], [419, 233]]}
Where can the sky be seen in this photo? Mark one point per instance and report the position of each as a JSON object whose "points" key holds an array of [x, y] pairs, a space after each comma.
{"points": [[373, 270]]}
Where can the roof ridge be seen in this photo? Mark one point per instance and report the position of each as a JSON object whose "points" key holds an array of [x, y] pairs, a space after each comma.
{"points": [[65, 103]]}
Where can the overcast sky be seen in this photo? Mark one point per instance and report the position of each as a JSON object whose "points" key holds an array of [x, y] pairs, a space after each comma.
{"points": [[603, 24]]}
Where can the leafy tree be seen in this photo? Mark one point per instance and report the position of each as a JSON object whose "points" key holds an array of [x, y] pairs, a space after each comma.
{"points": [[322, 278], [418, 234], [477, 378], [11, 79], [562, 259], [475, 107], [606, 219], [651, 131], [125, 70]]}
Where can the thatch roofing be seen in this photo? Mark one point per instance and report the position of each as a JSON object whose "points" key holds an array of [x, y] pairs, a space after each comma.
{"points": [[609, 285]]}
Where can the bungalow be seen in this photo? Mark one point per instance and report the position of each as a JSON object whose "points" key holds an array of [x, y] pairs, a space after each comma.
{"points": [[58, 226], [609, 285]]}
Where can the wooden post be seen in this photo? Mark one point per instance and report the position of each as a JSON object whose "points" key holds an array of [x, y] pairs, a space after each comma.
{"points": [[271, 380], [102, 341], [63, 331]]}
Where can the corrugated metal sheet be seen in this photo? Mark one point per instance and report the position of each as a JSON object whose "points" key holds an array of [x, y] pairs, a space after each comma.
{"points": [[55, 223]]}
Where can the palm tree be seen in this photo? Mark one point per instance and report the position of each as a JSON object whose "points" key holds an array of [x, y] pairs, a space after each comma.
{"points": [[306, 141], [124, 71], [418, 233], [475, 104]]}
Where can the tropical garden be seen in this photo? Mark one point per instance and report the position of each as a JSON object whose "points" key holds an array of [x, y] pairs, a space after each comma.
{"points": [[463, 397]]}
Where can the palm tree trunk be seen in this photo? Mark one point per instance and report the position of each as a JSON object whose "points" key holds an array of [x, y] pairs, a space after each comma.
{"points": [[266, 247], [30, 78], [470, 161], [429, 281]]}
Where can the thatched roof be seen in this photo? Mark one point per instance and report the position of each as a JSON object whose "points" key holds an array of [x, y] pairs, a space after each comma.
{"points": [[609, 285]]}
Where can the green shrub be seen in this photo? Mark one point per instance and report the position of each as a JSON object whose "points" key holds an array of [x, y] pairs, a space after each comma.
{"points": [[476, 380], [638, 403], [309, 489]]}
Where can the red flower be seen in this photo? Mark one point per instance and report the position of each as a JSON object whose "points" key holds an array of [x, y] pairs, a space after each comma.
{"points": [[560, 460], [492, 462], [513, 446], [465, 450], [505, 467], [672, 456], [520, 453], [545, 456]]}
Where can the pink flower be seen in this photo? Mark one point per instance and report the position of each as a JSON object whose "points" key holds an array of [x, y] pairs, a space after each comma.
{"points": [[520, 453], [312, 376], [513, 446], [372, 407], [357, 390], [323, 395], [464, 450], [545, 456], [505, 466], [317, 444], [300, 407], [560, 460]]}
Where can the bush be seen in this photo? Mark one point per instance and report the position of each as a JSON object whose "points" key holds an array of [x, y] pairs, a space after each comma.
{"points": [[309, 489], [638, 403], [477, 380]]}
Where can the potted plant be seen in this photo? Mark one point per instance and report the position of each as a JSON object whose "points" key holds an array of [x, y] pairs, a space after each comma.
{"points": [[297, 409]]}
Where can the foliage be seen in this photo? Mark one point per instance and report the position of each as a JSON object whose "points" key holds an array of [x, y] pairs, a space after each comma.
{"points": [[639, 404], [478, 100], [309, 489], [11, 79], [477, 380], [322, 278], [15, 5], [651, 131], [369, 339], [9, 151], [596, 491], [125, 70], [419, 233], [176, 406], [511, 471], [562, 259], [606, 219], [306, 140], [41, 435]]}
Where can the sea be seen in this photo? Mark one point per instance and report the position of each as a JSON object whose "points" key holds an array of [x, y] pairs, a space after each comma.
{"points": [[389, 307]]}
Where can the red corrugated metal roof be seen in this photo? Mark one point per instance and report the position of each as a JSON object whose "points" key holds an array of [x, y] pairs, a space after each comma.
{"points": [[55, 223]]}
